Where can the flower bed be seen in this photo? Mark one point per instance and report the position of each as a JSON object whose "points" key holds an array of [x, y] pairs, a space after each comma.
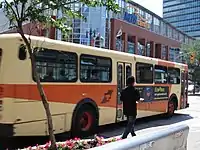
{"points": [[76, 144]]}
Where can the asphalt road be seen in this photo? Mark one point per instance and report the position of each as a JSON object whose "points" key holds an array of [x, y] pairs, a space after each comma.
{"points": [[190, 116]]}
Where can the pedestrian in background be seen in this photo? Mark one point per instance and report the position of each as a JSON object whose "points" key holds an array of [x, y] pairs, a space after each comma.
{"points": [[130, 96]]}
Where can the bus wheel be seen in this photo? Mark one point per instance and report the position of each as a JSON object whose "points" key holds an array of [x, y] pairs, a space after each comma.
{"points": [[171, 108], [85, 121]]}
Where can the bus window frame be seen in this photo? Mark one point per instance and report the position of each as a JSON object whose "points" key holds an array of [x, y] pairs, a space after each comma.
{"points": [[111, 69], [58, 81], [152, 72]]}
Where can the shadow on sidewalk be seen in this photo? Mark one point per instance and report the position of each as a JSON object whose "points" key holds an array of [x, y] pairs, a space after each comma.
{"points": [[196, 94], [142, 123]]}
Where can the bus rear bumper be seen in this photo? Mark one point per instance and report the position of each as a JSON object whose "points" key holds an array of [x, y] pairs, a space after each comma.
{"points": [[6, 130]]}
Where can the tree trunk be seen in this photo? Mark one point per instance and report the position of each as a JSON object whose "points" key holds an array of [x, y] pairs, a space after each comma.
{"points": [[41, 91]]}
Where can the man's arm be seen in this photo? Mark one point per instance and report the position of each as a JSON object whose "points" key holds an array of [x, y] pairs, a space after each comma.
{"points": [[137, 95]]}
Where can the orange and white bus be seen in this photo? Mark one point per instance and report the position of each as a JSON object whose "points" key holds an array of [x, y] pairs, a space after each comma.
{"points": [[82, 84]]}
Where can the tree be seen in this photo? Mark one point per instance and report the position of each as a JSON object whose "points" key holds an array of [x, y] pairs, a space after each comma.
{"points": [[22, 11], [192, 56], [191, 52]]}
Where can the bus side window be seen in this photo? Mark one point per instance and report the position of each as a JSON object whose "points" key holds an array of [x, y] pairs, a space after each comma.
{"points": [[144, 73], [128, 71], [173, 75], [160, 75], [22, 52], [56, 66], [95, 69]]}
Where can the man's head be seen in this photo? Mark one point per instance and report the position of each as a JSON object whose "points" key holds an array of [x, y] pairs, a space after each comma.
{"points": [[130, 81]]}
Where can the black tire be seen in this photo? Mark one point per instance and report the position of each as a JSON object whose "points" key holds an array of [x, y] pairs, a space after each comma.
{"points": [[85, 121], [171, 108]]}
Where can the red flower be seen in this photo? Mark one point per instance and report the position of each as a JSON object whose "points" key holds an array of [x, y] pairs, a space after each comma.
{"points": [[76, 139], [47, 145], [69, 143]]}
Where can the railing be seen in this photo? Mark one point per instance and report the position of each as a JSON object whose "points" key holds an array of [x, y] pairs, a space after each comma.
{"points": [[170, 138]]}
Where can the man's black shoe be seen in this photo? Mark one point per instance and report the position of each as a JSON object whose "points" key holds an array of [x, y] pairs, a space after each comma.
{"points": [[133, 134]]}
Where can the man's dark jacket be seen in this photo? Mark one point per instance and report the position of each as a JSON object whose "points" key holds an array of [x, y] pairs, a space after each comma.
{"points": [[129, 96]]}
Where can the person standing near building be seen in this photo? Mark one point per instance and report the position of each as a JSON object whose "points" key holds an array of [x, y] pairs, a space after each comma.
{"points": [[130, 96]]}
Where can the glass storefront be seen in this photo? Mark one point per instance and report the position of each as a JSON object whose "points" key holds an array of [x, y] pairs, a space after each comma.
{"points": [[97, 22], [91, 31]]}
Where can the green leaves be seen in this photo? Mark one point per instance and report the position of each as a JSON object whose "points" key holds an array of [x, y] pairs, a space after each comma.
{"points": [[191, 52]]}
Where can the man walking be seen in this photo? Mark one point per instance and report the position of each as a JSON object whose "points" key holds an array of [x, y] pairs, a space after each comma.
{"points": [[129, 97]]}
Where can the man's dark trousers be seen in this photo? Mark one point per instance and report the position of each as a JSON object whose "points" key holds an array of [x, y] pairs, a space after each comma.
{"points": [[130, 127]]}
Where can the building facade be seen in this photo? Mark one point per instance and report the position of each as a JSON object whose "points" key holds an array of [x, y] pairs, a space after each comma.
{"points": [[134, 30], [184, 15]]}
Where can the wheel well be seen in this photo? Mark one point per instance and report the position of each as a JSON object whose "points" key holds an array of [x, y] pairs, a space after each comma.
{"points": [[83, 102], [174, 98]]}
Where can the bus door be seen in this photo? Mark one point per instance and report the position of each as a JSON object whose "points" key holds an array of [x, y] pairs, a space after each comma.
{"points": [[184, 87], [124, 70]]}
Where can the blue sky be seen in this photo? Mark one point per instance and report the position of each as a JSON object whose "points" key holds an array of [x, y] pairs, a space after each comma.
{"points": [[152, 5]]}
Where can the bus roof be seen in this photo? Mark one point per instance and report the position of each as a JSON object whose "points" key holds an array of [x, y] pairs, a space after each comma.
{"points": [[70, 44]]}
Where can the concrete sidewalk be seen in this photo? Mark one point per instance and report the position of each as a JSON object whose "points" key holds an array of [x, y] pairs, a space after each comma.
{"points": [[189, 116]]}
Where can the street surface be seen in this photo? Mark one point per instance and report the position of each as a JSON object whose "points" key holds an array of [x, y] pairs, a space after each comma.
{"points": [[189, 116]]}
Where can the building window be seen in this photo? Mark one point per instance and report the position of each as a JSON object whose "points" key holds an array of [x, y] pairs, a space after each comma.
{"points": [[141, 49], [174, 75], [169, 32], [56, 66], [144, 73], [95, 69], [131, 47], [163, 28], [148, 49], [172, 54], [156, 25], [164, 52], [119, 44], [160, 74]]}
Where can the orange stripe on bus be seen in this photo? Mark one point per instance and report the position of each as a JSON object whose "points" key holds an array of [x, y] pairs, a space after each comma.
{"points": [[74, 93], [63, 93]]}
